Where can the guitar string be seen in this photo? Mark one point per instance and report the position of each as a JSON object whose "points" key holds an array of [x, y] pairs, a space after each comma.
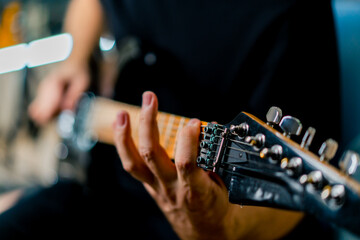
{"points": [[175, 126], [170, 146], [178, 128], [235, 141], [241, 150]]}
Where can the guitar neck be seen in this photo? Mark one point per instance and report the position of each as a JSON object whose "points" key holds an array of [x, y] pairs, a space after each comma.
{"points": [[103, 113]]}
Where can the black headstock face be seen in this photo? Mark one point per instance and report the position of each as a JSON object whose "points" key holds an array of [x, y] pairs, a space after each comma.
{"points": [[261, 166]]}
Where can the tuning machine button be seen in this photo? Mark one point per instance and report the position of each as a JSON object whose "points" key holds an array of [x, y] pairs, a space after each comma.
{"points": [[308, 138], [291, 126], [256, 141], [241, 130], [273, 116], [349, 162], [328, 150]]}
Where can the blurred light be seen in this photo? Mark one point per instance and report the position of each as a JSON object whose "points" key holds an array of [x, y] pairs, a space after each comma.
{"points": [[36, 53], [13, 58], [106, 44], [49, 50]]}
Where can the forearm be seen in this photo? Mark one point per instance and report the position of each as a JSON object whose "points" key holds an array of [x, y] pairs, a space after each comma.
{"points": [[84, 21]]}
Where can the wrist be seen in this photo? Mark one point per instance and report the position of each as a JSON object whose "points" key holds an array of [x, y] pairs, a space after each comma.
{"points": [[76, 62]]}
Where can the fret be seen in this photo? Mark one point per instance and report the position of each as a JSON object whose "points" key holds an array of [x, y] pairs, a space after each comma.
{"points": [[178, 129], [161, 123], [168, 131], [163, 128], [103, 114]]}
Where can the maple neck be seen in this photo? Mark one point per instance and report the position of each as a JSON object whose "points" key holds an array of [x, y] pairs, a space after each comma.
{"points": [[103, 113]]}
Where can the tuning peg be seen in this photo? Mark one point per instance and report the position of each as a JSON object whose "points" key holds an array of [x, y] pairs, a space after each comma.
{"points": [[290, 126], [315, 178], [241, 130], [308, 137], [295, 165], [328, 150], [256, 141], [274, 153], [273, 116], [349, 162], [335, 194]]}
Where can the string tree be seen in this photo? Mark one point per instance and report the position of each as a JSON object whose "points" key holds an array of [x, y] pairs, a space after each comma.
{"points": [[273, 116]]}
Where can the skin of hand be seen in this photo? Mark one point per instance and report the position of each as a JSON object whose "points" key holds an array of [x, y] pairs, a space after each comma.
{"points": [[194, 201], [63, 87], [60, 90]]}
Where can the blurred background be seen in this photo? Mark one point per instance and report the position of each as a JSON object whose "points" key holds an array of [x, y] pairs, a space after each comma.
{"points": [[27, 154], [31, 44]]}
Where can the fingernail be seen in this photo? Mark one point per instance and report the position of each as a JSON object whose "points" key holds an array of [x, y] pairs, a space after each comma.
{"points": [[121, 119], [193, 122], [147, 98]]}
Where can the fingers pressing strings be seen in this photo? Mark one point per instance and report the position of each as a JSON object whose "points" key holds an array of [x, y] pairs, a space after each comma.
{"points": [[154, 155], [188, 173], [130, 157]]}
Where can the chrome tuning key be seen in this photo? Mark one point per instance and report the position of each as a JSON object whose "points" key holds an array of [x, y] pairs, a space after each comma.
{"points": [[328, 150], [308, 138], [273, 116], [334, 195], [291, 126], [294, 165], [241, 130], [256, 141], [315, 178], [274, 153], [349, 162]]}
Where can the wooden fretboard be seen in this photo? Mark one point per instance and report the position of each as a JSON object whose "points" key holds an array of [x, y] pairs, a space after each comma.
{"points": [[103, 114]]}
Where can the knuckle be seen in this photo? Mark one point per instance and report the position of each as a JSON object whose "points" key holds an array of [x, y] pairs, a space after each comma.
{"points": [[148, 154], [185, 166], [192, 200]]}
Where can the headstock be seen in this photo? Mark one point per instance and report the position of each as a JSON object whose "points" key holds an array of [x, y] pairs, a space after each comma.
{"points": [[262, 166]]}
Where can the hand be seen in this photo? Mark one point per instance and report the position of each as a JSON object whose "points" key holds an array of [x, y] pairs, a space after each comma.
{"points": [[194, 201], [60, 90]]}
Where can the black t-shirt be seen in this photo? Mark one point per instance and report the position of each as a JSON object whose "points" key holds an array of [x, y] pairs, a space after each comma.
{"points": [[215, 59]]}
